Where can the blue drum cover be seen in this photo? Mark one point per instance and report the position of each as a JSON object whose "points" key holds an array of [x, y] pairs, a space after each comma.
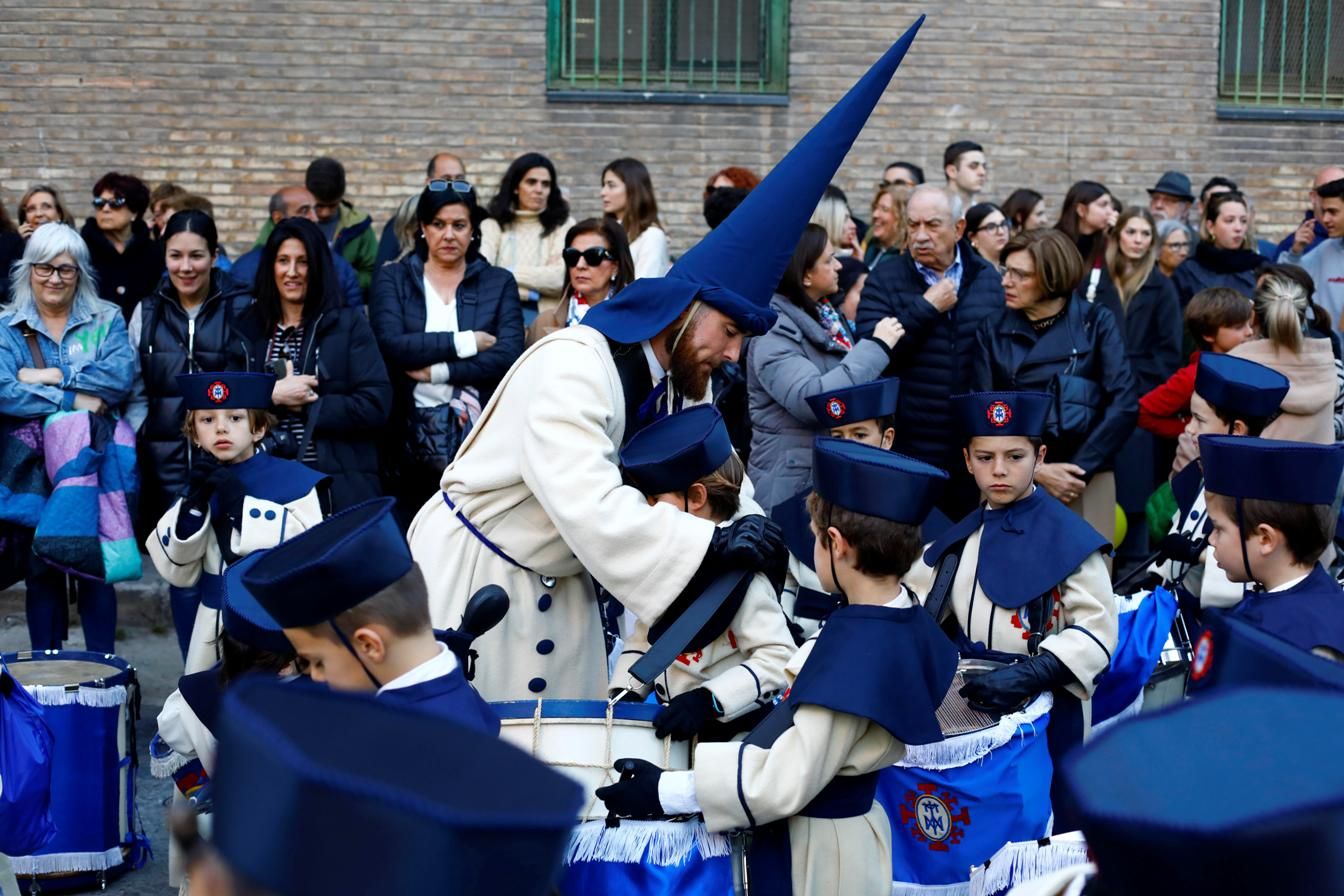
{"points": [[697, 876], [1142, 634]]}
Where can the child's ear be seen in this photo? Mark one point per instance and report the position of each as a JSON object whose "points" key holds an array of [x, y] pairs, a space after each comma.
{"points": [[1040, 455], [839, 544], [697, 496], [258, 434], [1239, 428], [1267, 539], [368, 642], [966, 455], [889, 438]]}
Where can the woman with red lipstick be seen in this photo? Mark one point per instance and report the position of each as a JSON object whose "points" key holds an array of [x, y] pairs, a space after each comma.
{"points": [[597, 258], [1046, 339], [186, 325]]}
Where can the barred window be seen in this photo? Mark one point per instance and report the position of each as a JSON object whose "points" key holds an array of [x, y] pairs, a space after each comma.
{"points": [[1282, 58], [713, 51]]}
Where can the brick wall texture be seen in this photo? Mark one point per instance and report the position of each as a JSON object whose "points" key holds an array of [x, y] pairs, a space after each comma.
{"points": [[232, 99]]}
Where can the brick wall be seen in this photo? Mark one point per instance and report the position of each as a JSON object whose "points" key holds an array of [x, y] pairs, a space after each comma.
{"points": [[233, 99]]}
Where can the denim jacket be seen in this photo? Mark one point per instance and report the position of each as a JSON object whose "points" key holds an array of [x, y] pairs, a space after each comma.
{"points": [[94, 355]]}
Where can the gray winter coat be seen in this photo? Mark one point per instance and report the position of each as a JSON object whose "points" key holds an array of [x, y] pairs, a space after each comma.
{"points": [[796, 359]]}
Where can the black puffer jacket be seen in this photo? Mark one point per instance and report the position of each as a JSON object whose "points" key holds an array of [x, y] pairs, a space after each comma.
{"points": [[1086, 343], [169, 344], [354, 396], [933, 359], [128, 276]]}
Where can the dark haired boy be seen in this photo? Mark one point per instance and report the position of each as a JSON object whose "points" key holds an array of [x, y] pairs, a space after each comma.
{"points": [[354, 605], [1273, 506], [805, 779], [1233, 396]]}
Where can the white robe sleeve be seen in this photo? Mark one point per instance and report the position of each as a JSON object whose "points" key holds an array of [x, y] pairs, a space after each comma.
{"points": [[1088, 625], [179, 560], [763, 638], [267, 523]]}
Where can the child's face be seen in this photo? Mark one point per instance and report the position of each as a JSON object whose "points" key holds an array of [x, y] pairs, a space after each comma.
{"points": [[327, 659], [865, 431], [1003, 467], [1203, 421], [1228, 338], [1226, 541], [681, 501], [226, 433]]}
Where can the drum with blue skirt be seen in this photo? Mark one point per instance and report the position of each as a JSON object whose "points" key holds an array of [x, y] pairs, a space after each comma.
{"points": [[583, 739], [952, 804], [90, 701]]}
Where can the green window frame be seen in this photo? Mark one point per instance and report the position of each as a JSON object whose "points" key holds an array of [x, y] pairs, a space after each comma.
{"points": [[668, 51], [1281, 59]]}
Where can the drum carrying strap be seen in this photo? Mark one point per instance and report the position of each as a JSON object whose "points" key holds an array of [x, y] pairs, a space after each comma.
{"points": [[943, 577], [678, 636]]}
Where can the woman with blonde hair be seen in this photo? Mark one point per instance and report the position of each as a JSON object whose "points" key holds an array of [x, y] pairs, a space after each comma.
{"points": [[1307, 414], [886, 234], [832, 215]]}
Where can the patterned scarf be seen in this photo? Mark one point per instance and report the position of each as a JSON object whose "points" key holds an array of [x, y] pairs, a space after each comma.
{"points": [[835, 324]]}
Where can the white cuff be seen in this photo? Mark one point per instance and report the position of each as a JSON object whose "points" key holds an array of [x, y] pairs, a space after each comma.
{"points": [[465, 342], [438, 373], [676, 792]]}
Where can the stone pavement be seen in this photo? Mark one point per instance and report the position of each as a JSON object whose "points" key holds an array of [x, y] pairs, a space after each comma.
{"points": [[145, 640]]}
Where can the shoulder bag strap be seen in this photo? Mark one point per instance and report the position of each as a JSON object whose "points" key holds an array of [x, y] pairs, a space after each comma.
{"points": [[942, 581], [34, 349]]}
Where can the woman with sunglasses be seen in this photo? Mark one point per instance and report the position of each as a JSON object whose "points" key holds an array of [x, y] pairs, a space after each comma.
{"points": [[126, 259], [449, 326], [597, 257], [987, 230], [528, 218]]}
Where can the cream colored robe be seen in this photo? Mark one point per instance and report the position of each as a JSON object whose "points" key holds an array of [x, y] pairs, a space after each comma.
{"points": [[180, 729], [182, 561], [799, 575], [539, 476], [849, 856], [1082, 635], [743, 668]]}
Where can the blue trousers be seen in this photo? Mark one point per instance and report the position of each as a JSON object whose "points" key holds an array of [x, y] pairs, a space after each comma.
{"points": [[48, 610]]}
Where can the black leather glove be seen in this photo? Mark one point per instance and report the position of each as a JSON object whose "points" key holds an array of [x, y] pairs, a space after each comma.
{"points": [[1008, 689], [635, 795], [205, 477], [685, 714], [1182, 548], [752, 543]]}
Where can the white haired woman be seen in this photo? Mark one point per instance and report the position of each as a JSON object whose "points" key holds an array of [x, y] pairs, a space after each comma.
{"points": [[62, 348]]}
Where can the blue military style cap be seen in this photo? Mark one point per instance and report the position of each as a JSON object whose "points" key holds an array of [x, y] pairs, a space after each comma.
{"points": [[852, 404], [1271, 469], [334, 566], [1001, 413], [225, 389], [320, 792], [1238, 386], [1235, 652], [1238, 792], [875, 482], [244, 618], [670, 454], [737, 266]]}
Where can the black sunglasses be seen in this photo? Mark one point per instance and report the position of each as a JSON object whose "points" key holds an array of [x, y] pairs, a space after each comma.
{"points": [[439, 185], [119, 202], [594, 255]]}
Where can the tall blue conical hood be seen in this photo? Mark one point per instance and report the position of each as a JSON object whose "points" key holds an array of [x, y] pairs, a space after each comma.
{"points": [[737, 266]]}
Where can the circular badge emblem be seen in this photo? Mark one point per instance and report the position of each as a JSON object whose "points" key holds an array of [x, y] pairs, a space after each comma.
{"points": [[999, 414], [1203, 658], [217, 392], [933, 817], [835, 408]]}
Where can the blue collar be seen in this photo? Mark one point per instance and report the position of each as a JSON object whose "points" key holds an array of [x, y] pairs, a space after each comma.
{"points": [[953, 271]]}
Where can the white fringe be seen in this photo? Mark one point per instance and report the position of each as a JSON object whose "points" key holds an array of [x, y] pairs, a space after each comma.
{"points": [[659, 843], [963, 749], [167, 766], [56, 695], [67, 862], [903, 889], [1018, 863]]}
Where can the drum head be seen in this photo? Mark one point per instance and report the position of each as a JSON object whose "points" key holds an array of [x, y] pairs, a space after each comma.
{"points": [[61, 673], [955, 715]]}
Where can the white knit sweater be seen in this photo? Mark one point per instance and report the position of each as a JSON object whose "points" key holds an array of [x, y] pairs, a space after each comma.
{"points": [[534, 260]]}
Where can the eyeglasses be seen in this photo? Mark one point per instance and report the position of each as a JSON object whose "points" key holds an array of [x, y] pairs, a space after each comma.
{"points": [[1017, 276], [1177, 247], [438, 185], [66, 272], [594, 255], [993, 228], [119, 202]]}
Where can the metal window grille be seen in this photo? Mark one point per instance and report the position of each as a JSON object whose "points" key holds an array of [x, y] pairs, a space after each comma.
{"points": [[1282, 54], [655, 49]]}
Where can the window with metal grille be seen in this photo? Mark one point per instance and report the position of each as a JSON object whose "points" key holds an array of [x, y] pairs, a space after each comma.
{"points": [[1281, 58], [711, 51]]}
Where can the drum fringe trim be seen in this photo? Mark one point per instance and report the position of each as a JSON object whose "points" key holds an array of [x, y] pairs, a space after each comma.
{"points": [[659, 843], [963, 749], [1018, 863], [55, 695], [67, 862], [900, 888]]}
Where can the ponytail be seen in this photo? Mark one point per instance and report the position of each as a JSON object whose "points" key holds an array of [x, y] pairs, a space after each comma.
{"points": [[1281, 307]]}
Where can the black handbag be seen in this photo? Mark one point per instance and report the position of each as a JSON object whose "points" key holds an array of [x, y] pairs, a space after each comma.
{"points": [[1077, 399], [434, 436]]}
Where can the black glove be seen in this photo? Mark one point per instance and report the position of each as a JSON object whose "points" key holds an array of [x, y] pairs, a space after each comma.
{"points": [[635, 795], [752, 543], [1008, 689], [1182, 548], [206, 475], [685, 714]]}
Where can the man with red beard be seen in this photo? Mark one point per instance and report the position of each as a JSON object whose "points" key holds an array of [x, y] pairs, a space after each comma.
{"points": [[534, 500]]}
